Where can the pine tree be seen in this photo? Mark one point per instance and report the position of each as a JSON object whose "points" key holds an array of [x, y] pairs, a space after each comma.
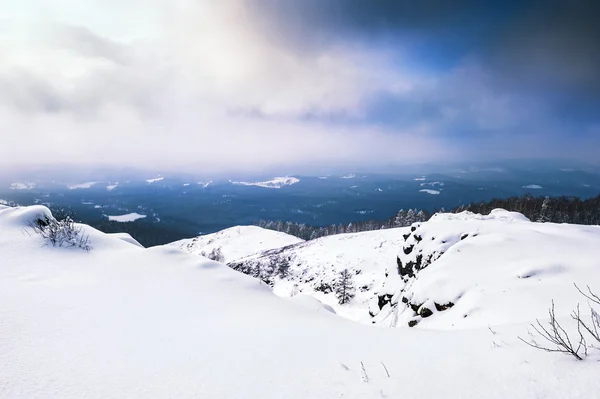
{"points": [[400, 220], [283, 267], [544, 214], [344, 287], [411, 217]]}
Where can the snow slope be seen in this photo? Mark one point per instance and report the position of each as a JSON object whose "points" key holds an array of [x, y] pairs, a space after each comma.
{"points": [[122, 321], [314, 267], [236, 242], [487, 270]]}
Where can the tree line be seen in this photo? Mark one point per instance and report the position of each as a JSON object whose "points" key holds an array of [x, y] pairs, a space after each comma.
{"points": [[562, 209], [307, 232]]}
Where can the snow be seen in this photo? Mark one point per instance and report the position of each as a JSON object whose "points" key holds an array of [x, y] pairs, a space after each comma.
{"points": [[130, 217], [3, 202], [112, 186], [157, 179], [237, 242], [317, 262], [205, 184], [22, 186], [433, 184], [420, 178], [88, 184], [429, 191], [534, 186], [97, 206], [128, 322], [350, 176], [496, 269], [277, 182]]}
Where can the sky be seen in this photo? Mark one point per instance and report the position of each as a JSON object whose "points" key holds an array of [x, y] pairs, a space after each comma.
{"points": [[259, 85]]}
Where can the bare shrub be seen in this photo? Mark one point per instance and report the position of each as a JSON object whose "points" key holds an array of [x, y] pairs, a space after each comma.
{"points": [[217, 255], [556, 338], [61, 231]]}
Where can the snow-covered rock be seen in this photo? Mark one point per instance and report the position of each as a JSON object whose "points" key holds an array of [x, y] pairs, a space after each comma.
{"points": [[467, 270]]}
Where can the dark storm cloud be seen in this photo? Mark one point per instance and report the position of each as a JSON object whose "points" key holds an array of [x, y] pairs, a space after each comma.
{"points": [[542, 50]]}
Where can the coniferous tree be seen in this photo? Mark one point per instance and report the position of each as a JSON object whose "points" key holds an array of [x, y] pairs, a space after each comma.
{"points": [[344, 287]]}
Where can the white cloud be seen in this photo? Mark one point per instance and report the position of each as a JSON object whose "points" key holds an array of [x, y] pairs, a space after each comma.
{"points": [[192, 84]]}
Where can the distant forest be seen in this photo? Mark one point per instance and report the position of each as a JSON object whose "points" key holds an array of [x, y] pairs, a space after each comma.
{"points": [[538, 209], [308, 232]]}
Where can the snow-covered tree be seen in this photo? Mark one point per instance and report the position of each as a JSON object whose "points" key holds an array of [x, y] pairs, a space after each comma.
{"points": [[344, 287], [411, 217], [216, 254], [544, 214], [400, 220]]}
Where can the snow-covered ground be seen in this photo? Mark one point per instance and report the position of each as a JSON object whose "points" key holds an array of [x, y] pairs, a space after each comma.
{"points": [[314, 267], [277, 182], [534, 186], [22, 186], [157, 179], [124, 321], [236, 242], [130, 217], [429, 191], [88, 184]]}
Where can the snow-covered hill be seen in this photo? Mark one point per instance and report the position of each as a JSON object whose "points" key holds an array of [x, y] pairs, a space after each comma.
{"points": [[314, 266], [236, 242], [455, 271], [125, 321], [468, 270]]}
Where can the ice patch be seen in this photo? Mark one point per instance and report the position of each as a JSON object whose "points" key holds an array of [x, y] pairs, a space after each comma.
{"points": [[81, 185], [277, 182], [130, 217]]}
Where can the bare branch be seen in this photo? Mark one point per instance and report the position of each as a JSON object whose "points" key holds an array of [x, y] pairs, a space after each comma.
{"points": [[589, 295], [555, 334]]}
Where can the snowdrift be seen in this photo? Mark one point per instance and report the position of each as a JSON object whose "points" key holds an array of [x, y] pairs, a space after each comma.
{"points": [[125, 321], [236, 242]]}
